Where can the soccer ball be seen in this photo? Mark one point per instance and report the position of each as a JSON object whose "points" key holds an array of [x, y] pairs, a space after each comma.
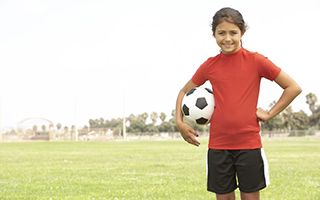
{"points": [[198, 105]]}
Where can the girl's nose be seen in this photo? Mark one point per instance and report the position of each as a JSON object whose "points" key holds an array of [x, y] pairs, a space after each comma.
{"points": [[228, 37]]}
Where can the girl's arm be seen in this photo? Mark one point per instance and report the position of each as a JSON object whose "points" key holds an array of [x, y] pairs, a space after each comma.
{"points": [[290, 91], [187, 132]]}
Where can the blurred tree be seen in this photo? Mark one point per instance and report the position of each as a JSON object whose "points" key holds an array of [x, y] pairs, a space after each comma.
{"points": [[58, 126], [299, 121], [287, 118], [167, 127], [35, 129], [154, 118], [173, 120], [93, 123], [137, 123], [143, 117], [66, 130], [44, 129], [101, 123], [151, 129], [311, 101], [314, 119], [163, 116], [113, 123]]}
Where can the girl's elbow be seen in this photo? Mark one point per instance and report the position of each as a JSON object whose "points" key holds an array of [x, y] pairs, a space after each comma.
{"points": [[298, 90]]}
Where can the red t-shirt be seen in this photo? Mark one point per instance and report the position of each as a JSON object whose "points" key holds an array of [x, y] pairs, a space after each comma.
{"points": [[235, 80]]}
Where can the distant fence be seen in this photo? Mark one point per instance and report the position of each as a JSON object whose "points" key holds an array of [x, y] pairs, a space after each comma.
{"points": [[106, 135], [290, 133]]}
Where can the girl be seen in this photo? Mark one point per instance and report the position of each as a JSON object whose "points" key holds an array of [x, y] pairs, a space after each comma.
{"points": [[235, 157]]}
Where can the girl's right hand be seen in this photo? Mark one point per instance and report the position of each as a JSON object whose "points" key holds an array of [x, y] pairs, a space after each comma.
{"points": [[188, 134]]}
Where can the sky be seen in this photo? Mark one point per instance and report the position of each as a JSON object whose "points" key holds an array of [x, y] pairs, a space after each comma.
{"points": [[74, 60]]}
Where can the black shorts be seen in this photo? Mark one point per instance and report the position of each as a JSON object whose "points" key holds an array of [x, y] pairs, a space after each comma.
{"points": [[229, 169]]}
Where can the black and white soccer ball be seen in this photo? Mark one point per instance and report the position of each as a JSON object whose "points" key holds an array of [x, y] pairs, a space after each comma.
{"points": [[198, 105]]}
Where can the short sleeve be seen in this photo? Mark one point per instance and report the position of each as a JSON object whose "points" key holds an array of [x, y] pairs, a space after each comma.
{"points": [[266, 68], [200, 76]]}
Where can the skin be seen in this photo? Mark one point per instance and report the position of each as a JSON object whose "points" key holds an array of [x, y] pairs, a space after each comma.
{"points": [[228, 38]]}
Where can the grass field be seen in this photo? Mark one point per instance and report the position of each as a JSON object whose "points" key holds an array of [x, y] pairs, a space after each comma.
{"points": [[144, 170]]}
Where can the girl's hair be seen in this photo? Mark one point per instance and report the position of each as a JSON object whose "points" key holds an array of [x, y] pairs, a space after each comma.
{"points": [[229, 15]]}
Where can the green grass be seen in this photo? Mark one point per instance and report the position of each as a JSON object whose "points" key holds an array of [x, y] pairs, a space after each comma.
{"points": [[144, 170]]}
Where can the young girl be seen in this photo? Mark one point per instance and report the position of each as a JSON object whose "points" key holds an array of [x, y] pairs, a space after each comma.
{"points": [[235, 157]]}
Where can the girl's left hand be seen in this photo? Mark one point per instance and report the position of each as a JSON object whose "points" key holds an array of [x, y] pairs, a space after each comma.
{"points": [[262, 115]]}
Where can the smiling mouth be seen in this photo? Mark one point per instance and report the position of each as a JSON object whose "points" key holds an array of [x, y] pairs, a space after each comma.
{"points": [[227, 45]]}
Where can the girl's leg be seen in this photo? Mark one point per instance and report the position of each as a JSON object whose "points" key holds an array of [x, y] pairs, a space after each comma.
{"points": [[250, 196], [228, 196]]}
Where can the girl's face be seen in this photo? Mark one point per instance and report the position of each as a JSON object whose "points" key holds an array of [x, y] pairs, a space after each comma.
{"points": [[228, 37]]}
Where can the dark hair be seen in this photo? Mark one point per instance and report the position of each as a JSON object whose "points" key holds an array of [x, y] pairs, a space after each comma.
{"points": [[229, 15]]}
